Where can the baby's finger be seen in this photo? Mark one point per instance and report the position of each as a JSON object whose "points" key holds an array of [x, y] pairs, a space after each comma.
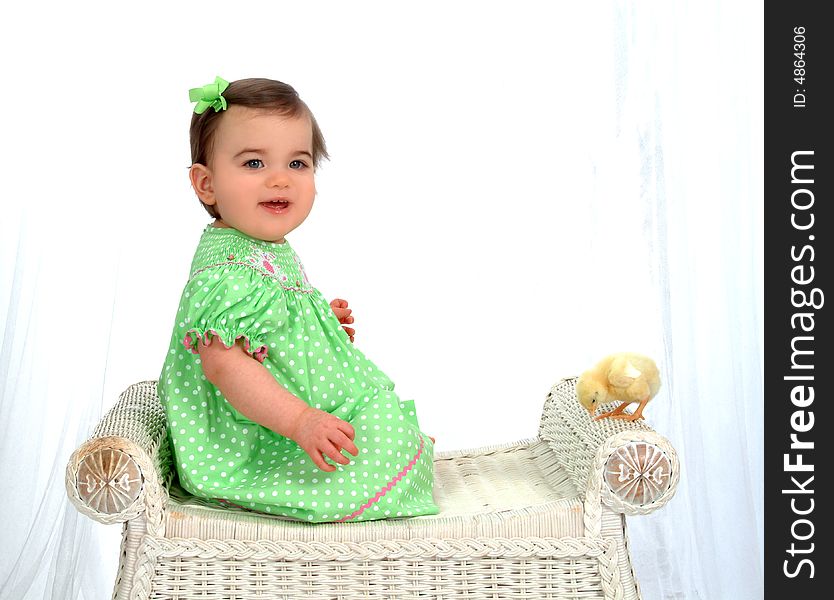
{"points": [[346, 444], [335, 454], [346, 428], [350, 331], [320, 462], [342, 315]]}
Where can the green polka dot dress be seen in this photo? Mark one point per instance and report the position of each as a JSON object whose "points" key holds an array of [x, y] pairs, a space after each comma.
{"points": [[241, 287]]}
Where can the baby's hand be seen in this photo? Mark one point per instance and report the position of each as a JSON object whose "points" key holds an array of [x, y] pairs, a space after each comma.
{"points": [[319, 432], [342, 312]]}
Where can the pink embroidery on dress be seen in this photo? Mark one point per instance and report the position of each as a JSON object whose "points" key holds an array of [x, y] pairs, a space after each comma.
{"points": [[301, 268], [266, 264], [387, 488], [265, 260]]}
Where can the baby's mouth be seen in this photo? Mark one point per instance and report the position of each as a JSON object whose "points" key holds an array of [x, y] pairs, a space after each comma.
{"points": [[276, 205]]}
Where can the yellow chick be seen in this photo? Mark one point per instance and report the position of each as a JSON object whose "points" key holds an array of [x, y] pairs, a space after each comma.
{"points": [[627, 377]]}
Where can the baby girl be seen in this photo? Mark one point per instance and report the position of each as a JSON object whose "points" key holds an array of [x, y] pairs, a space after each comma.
{"points": [[262, 382]]}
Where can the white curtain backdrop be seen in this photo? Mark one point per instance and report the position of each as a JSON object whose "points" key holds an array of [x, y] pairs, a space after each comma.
{"points": [[514, 191]]}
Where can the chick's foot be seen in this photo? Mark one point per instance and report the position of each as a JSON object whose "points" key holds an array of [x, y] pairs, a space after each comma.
{"points": [[628, 417], [616, 413]]}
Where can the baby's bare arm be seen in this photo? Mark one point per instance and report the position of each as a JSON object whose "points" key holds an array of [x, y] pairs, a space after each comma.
{"points": [[254, 392], [250, 388]]}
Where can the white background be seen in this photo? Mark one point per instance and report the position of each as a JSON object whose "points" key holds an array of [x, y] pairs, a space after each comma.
{"points": [[514, 191]]}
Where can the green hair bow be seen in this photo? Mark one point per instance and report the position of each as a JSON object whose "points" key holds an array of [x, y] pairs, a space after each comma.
{"points": [[209, 96]]}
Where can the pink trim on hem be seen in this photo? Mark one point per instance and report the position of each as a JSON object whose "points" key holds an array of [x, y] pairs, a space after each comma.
{"points": [[388, 487], [260, 354], [230, 503]]}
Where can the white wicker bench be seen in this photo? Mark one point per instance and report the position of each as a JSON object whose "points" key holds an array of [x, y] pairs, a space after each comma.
{"points": [[539, 518]]}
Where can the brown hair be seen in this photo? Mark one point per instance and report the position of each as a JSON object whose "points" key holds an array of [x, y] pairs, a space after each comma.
{"points": [[266, 94]]}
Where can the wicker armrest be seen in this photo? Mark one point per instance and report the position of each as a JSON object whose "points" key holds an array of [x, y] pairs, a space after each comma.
{"points": [[124, 468], [628, 465]]}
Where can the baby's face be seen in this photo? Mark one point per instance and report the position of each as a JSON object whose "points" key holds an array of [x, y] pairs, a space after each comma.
{"points": [[259, 157]]}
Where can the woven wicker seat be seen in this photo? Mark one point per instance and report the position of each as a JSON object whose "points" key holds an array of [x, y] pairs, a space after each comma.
{"points": [[539, 518]]}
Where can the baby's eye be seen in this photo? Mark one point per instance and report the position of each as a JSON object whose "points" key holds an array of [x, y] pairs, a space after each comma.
{"points": [[300, 164], [253, 160]]}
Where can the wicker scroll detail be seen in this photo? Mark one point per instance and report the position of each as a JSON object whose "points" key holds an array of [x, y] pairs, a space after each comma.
{"points": [[108, 481], [87, 480], [598, 492], [132, 436], [572, 434], [638, 473]]}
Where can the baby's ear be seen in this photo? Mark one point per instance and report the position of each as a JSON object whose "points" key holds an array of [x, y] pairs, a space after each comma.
{"points": [[201, 181]]}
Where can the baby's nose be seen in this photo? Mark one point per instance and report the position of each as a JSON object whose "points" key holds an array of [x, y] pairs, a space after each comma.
{"points": [[278, 179]]}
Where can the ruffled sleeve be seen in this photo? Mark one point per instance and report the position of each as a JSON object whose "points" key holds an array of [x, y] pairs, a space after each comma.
{"points": [[231, 303]]}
